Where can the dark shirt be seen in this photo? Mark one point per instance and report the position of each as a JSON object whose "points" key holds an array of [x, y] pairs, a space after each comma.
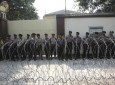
{"points": [[61, 41]]}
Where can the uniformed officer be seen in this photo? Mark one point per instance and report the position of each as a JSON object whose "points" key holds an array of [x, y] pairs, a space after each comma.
{"points": [[20, 47], [77, 45], [31, 47], [95, 45], [61, 46], [6, 46], [103, 43], [53, 42], [69, 46], [38, 48], [26, 46], [47, 46], [13, 49], [86, 46], [111, 47]]}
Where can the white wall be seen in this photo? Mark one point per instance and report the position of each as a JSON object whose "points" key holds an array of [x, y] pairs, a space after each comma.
{"points": [[32, 26], [82, 24]]}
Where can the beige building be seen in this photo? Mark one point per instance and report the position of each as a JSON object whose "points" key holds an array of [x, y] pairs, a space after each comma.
{"points": [[61, 23]]}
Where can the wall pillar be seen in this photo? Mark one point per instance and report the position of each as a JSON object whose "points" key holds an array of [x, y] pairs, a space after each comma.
{"points": [[60, 24]]}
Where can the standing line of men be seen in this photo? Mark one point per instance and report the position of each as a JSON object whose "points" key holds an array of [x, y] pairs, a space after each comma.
{"points": [[34, 46], [97, 46]]}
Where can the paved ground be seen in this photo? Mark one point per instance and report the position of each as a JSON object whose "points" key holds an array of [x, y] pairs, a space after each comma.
{"points": [[55, 72]]}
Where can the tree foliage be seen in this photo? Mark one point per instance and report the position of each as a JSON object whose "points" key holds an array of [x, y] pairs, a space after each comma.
{"points": [[106, 6], [21, 10]]}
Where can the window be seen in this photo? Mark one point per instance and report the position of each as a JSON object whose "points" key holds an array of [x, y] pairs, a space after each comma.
{"points": [[95, 29], [92, 30]]}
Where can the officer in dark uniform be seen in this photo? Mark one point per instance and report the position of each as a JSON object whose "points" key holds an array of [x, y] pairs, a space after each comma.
{"points": [[38, 48], [31, 47], [13, 49], [69, 46], [86, 46], [6, 46], [26, 46], [61, 46], [53, 42], [77, 45], [47, 46]]}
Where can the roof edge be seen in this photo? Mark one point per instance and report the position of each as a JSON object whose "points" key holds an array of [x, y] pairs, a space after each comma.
{"points": [[86, 15]]}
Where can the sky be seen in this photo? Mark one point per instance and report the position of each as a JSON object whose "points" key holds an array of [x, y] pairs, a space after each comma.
{"points": [[47, 6]]}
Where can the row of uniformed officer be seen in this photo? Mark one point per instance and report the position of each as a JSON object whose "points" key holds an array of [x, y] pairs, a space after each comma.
{"points": [[31, 48], [102, 46], [76, 43], [19, 48]]}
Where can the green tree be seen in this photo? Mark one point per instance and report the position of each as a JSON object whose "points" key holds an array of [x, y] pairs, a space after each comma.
{"points": [[92, 6], [21, 10]]}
